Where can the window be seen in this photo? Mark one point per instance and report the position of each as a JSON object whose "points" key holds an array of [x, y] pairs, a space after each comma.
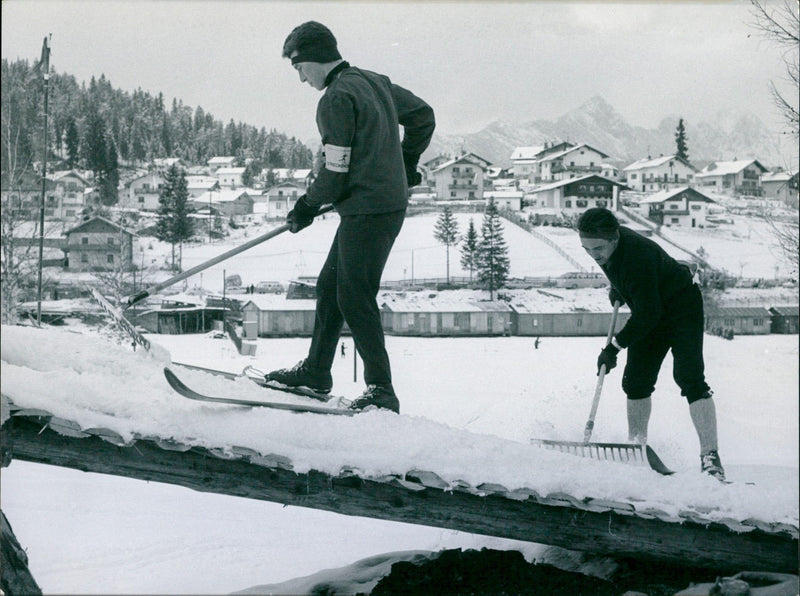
{"points": [[675, 220], [568, 204], [84, 240], [579, 322], [674, 206], [110, 259], [84, 258], [758, 322], [633, 176]]}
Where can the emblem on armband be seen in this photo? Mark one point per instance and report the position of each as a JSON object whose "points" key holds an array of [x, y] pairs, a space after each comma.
{"points": [[337, 159]]}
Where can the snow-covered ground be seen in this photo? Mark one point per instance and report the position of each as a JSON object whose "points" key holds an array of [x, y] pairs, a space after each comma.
{"points": [[469, 408]]}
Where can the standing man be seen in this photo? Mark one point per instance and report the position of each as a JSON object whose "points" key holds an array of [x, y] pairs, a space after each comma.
{"points": [[366, 176], [666, 313]]}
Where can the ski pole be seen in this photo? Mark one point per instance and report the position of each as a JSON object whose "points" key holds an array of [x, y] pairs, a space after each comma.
{"points": [[587, 433], [154, 289]]}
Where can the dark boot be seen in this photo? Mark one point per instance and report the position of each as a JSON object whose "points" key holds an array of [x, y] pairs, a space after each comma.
{"points": [[301, 375], [379, 396]]}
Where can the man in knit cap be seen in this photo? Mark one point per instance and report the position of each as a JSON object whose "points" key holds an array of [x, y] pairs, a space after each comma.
{"points": [[666, 314], [366, 175]]}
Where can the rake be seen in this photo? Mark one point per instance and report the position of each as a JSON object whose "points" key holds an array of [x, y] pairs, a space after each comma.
{"points": [[620, 452]]}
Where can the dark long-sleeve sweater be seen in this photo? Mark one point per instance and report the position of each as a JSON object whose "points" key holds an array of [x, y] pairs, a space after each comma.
{"points": [[648, 279], [358, 118]]}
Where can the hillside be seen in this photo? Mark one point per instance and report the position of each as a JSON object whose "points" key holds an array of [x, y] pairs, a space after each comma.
{"points": [[729, 135]]}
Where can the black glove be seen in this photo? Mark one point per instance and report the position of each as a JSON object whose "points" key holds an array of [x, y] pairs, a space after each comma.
{"points": [[412, 176], [301, 216], [615, 296], [607, 357]]}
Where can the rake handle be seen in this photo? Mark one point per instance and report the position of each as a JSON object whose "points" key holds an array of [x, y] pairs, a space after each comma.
{"points": [[587, 433]]}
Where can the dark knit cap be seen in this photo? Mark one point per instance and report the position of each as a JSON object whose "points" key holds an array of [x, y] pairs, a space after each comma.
{"points": [[313, 42], [598, 223]]}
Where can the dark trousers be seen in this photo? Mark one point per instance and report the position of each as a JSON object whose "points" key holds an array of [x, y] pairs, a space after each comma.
{"points": [[347, 290], [681, 329]]}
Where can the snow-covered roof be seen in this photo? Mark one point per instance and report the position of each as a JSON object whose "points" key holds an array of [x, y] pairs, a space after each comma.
{"points": [[654, 162], [565, 152], [460, 159], [776, 177], [560, 183], [665, 195], [220, 159], [722, 168], [231, 171], [294, 174], [438, 304], [224, 195], [279, 302], [504, 194], [526, 152]]}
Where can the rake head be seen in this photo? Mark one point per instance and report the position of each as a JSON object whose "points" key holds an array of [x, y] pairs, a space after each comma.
{"points": [[619, 452]]}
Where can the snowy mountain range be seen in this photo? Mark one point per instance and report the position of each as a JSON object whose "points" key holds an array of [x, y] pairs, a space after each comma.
{"points": [[729, 135]]}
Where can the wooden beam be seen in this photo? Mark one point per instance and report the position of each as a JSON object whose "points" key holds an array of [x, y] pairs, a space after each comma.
{"points": [[709, 545]]}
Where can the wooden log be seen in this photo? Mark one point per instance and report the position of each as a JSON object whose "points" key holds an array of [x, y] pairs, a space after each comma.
{"points": [[16, 578], [612, 533]]}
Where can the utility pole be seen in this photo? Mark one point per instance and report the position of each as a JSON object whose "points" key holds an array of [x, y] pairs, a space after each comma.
{"points": [[45, 66]]}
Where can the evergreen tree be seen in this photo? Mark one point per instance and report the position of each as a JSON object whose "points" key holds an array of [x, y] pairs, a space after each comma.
{"points": [[108, 180], [72, 142], [492, 263], [680, 141], [469, 249], [446, 232], [94, 147], [173, 224]]}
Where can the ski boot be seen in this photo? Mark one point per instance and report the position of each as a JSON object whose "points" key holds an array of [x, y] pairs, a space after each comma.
{"points": [[301, 375], [379, 396], [711, 464]]}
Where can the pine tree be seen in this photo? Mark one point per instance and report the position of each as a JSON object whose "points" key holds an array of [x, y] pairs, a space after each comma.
{"points": [[72, 142], [446, 232], [173, 224], [493, 263], [680, 141], [469, 249]]}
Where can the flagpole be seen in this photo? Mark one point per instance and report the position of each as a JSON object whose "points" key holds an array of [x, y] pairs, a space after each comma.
{"points": [[45, 64]]}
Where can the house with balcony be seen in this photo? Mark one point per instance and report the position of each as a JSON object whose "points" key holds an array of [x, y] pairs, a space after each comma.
{"points": [[664, 172], [301, 177], [573, 196], [459, 179], [143, 192], [685, 207], [99, 245], [573, 162], [740, 177], [73, 192], [23, 196], [230, 177], [280, 199]]}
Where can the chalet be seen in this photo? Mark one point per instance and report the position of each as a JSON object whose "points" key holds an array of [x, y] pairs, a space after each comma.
{"points": [[459, 179], [99, 245], [660, 173], [218, 162], [73, 192], [576, 195], [429, 166], [227, 202], [230, 177], [422, 317], [785, 319], [301, 177], [741, 177], [572, 162], [280, 198], [143, 192], [199, 184], [684, 206], [780, 186], [740, 320], [23, 196]]}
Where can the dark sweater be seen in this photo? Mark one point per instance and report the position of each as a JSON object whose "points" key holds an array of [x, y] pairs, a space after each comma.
{"points": [[648, 279], [361, 110]]}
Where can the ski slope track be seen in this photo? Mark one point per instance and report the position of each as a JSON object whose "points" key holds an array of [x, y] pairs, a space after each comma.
{"points": [[100, 407]]}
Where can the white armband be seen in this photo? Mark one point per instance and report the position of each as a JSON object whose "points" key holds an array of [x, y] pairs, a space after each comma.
{"points": [[337, 159], [615, 344]]}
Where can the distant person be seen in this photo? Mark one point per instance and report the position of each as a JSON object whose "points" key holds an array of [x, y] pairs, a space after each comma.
{"points": [[366, 175], [344, 349], [666, 314], [536, 344]]}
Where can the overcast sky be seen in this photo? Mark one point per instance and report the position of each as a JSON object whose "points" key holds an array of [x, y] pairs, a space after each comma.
{"points": [[474, 62]]}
